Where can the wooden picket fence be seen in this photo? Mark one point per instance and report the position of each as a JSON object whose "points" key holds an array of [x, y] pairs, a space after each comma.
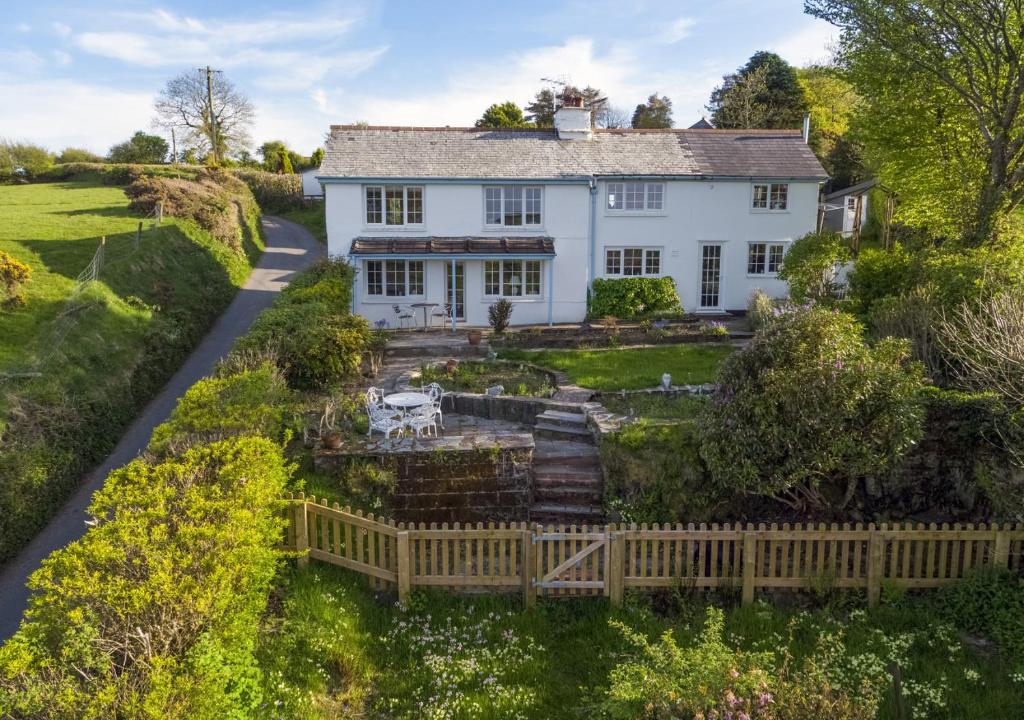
{"points": [[604, 560]]}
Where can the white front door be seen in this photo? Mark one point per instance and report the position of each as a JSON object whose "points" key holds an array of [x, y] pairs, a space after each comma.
{"points": [[710, 277]]}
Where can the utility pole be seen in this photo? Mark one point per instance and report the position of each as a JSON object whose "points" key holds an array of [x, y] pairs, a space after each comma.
{"points": [[214, 147], [174, 147]]}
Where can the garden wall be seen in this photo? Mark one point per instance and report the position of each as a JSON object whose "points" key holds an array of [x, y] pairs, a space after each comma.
{"points": [[452, 479]]}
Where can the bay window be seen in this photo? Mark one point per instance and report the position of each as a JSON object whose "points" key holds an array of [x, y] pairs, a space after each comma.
{"points": [[635, 196], [632, 262], [394, 205], [512, 278], [394, 278], [513, 206]]}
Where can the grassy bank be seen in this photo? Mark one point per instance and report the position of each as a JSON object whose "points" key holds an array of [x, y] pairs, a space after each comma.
{"points": [[102, 353], [631, 368], [335, 651], [311, 217]]}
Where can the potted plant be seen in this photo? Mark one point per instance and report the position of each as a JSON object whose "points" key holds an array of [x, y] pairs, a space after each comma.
{"points": [[332, 440], [474, 337]]}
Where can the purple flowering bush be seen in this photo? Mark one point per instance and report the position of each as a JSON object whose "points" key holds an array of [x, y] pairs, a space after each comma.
{"points": [[808, 409]]}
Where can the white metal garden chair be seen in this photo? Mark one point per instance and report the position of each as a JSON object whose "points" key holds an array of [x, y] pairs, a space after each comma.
{"points": [[422, 419], [382, 418], [436, 393], [404, 317]]}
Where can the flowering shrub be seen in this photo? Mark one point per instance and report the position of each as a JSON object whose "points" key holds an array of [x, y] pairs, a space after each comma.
{"points": [[808, 408], [13, 273], [714, 328], [473, 666]]}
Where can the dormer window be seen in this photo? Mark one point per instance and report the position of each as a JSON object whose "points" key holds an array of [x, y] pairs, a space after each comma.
{"points": [[635, 196], [393, 205], [770, 197]]}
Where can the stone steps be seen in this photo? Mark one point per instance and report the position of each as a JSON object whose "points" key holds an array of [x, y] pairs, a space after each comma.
{"points": [[555, 513], [560, 432]]}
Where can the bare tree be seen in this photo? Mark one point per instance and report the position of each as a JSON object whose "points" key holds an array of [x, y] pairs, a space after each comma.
{"points": [[614, 117], [212, 114], [986, 342]]}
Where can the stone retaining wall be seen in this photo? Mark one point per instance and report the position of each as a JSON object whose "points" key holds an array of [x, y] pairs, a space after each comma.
{"points": [[453, 479]]}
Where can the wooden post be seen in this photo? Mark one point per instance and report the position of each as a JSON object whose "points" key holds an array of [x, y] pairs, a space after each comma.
{"points": [[1001, 551], [404, 571], [616, 568], [159, 211], [528, 569], [874, 566], [302, 531], [749, 564], [138, 235]]}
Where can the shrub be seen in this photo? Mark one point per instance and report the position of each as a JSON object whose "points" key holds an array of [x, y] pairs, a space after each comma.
{"points": [[315, 346], [760, 309], [13, 274], [274, 192], [880, 273], [253, 402], [76, 155], [654, 473], [633, 297], [807, 406], [155, 611], [21, 160], [989, 603], [911, 316], [810, 266], [662, 681], [499, 315]]}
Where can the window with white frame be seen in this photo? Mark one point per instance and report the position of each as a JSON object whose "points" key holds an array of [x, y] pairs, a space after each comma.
{"points": [[512, 278], [394, 278], [513, 206], [632, 261], [764, 258], [394, 205], [635, 196], [770, 196]]}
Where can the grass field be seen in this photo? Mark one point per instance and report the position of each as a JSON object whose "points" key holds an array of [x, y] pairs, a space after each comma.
{"points": [[336, 651], [631, 368], [102, 353]]}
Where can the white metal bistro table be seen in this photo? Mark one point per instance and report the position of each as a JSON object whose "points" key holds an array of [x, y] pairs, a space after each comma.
{"points": [[426, 306], [407, 400]]}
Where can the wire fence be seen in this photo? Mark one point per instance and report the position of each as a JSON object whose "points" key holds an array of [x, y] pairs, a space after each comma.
{"points": [[75, 305]]}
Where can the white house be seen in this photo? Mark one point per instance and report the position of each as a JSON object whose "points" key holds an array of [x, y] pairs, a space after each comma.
{"points": [[436, 215], [311, 187]]}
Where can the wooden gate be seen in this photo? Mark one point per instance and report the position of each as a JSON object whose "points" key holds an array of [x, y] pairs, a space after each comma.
{"points": [[571, 563]]}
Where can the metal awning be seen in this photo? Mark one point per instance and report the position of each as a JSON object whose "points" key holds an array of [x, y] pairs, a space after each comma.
{"points": [[449, 248]]}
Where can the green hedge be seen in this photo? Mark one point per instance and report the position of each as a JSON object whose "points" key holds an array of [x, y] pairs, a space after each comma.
{"points": [[633, 297], [274, 192], [155, 611]]}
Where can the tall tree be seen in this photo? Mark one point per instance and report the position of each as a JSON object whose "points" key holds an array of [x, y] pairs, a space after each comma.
{"points": [[780, 98], [505, 115], [833, 103], [541, 111], [219, 128], [140, 148], [954, 81], [743, 105], [655, 113], [274, 154]]}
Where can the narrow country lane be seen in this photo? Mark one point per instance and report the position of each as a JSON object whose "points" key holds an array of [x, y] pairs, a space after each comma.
{"points": [[289, 249]]}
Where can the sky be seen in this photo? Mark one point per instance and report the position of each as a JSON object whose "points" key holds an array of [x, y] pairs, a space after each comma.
{"points": [[85, 74]]}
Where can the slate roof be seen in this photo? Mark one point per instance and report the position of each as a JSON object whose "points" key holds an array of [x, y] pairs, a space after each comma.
{"points": [[536, 245], [408, 152]]}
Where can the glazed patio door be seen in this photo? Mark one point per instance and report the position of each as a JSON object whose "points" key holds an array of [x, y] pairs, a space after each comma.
{"points": [[460, 288], [710, 277]]}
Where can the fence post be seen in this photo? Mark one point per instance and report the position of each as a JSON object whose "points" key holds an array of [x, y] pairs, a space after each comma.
{"points": [[616, 568], [404, 571], [874, 566], [302, 531], [159, 211], [138, 235], [528, 569], [749, 564], [1001, 552]]}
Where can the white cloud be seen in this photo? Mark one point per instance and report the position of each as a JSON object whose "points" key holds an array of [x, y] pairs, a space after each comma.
{"points": [[61, 58], [23, 27], [61, 29], [61, 113], [677, 30], [807, 45], [17, 63]]}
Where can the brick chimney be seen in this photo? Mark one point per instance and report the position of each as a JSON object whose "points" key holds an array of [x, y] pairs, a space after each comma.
{"points": [[572, 120]]}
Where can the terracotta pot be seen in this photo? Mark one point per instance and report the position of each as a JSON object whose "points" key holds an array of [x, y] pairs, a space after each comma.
{"points": [[333, 440], [474, 337]]}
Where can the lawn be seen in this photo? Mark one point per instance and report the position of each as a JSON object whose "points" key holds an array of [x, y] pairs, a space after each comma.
{"points": [[476, 377], [655, 406], [631, 368], [335, 651]]}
